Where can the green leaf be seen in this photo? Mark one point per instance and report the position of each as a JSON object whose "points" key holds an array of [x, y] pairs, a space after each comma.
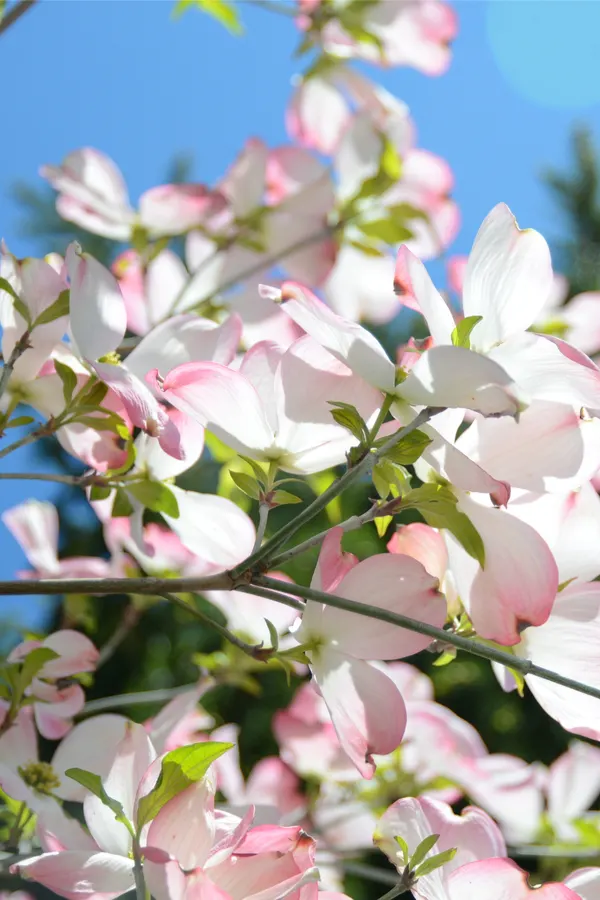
{"points": [[273, 634], [461, 333], [93, 783], [385, 230], [122, 507], [423, 849], [446, 657], [92, 394], [19, 421], [259, 472], [382, 523], [179, 769], [349, 418], [434, 862], [155, 496], [403, 847], [59, 308], [31, 665], [99, 492], [68, 378], [367, 249], [246, 484], [390, 477], [390, 160], [283, 498], [409, 449], [221, 10], [437, 505], [19, 305]]}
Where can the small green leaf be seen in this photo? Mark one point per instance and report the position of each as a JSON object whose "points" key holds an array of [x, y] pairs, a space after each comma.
{"points": [[246, 484], [390, 160], [349, 418], [155, 496], [93, 783], [437, 505], [273, 634], [385, 230], [403, 848], [561, 586], [446, 657], [367, 249], [100, 492], [19, 421], [283, 498], [19, 305], [179, 769], [122, 507], [259, 472], [59, 308], [31, 665], [409, 449], [435, 862], [390, 477], [382, 523], [68, 378], [92, 393], [461, 334], [221, 10], [423, 849]]}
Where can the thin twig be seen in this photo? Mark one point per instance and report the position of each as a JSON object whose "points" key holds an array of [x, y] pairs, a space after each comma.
{"points": [[15, 13], [524, 666], [73, 480], [21, 345], [131, 617], [271, 595], [43, 431], [101, 586], [160, 695], [350, 524], [264, 553], [263, 516], [253, 650]]}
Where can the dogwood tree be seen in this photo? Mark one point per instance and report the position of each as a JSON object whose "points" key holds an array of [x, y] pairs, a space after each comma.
{"points": [[472, 457]]}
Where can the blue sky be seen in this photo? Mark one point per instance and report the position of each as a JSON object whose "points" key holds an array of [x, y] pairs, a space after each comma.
{"points": [[123, 76]]}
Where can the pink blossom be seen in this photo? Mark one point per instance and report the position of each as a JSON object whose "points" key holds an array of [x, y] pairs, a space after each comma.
{"points": [[474, 835], [276, 407], [500, 879], [38, 285], [366, 708], [92, 193], [56, 703]]}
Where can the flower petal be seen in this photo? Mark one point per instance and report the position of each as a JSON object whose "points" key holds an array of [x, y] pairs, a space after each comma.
{"points": [[448, 376], [366, 707], [507, 280], [518, 584], [500, 879], [97, 310], [78, 873]]}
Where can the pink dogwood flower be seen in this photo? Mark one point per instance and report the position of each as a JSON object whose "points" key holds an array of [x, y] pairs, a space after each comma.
{"points": [[473, 834], [501, 879], [408, 34], [34, 524], [56, 696], [367, 710], [93, 194], [518, 582], [38, 284], [276, 407]]}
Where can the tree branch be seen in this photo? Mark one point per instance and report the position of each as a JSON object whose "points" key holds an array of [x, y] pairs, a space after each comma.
{"points": [[350, 524], [101, 586], [15, 13]]}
